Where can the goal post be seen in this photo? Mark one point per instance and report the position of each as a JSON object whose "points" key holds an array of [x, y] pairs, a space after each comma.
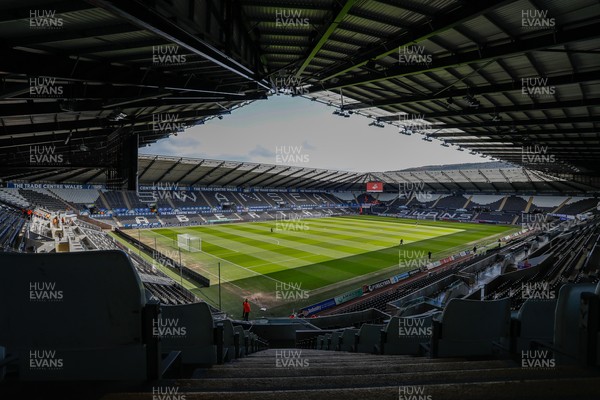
{"points": [[189, 243]]}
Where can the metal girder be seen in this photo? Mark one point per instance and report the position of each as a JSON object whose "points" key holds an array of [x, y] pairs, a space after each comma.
{"points": [[508, 136], [527, 122], [67, 105], [493, 146], [168, 171], [91, 178], [116, 93], [78, 172], [406, 38], [549, 105], [291, 178], [327, 174], [567, 79], [19, 62], [272, 176], [150, 164], [59, 7], [552, 39], [224, 175], [67, 34], [242, 175], [100, 123], [142, 16], [281, 178], [189, 172], [407, 6], [254, 177], [210, 171], [323, 39]]}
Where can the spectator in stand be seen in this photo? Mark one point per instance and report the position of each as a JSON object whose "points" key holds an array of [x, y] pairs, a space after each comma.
{"points": [[246, 308]]}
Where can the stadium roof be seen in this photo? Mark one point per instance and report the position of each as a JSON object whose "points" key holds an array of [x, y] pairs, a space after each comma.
{"points": [[502, 78], [219, 173]]}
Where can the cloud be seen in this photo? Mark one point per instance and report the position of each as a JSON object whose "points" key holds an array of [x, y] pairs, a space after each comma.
{"points": [[260, 151], [308, 146]]}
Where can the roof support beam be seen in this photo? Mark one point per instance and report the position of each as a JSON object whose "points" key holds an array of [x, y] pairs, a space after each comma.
{"points": [[552, 39], [559, 80], [142, 16], [549, 105], [325, 37], [406, 38]]}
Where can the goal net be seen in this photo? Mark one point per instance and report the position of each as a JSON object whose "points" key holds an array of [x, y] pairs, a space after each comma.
{"points": [[189, 243]]}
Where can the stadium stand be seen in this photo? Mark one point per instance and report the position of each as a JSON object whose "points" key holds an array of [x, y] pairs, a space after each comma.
{"points": [[106, 341], [43, 198], [12, 196], [451, 202], [77, 197], [95, 319], [579, 205], [11, 225]]}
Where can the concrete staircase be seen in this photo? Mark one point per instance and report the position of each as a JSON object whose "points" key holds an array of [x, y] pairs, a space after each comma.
{"points": [[321, 375], [529, 203], [503, 203]]}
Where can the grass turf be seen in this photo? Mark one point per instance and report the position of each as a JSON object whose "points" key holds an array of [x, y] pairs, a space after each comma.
{"points": [[321, 257]]}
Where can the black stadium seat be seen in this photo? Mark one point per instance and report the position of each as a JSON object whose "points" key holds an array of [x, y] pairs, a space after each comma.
{"points": [[472, 328], [76, 316]]}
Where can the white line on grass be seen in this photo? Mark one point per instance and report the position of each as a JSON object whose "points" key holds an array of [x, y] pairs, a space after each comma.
{"points": [[230, 262]]}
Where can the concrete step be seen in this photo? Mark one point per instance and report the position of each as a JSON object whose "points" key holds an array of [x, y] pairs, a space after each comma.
{"points": [[381, 379], [320, 370], [555, 389]]}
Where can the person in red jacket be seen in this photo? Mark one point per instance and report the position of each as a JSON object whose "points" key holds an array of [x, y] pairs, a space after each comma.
{"points": [[246, 306]]}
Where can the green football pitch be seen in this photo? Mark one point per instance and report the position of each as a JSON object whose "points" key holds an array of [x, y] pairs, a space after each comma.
{"points": [[283, 266]]}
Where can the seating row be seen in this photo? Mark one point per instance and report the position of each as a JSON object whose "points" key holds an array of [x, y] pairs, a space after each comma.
{"points": [[567, 326], [86, 316]]}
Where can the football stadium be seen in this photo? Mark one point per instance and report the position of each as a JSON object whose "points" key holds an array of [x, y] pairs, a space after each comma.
{"points": [[299, 199]]}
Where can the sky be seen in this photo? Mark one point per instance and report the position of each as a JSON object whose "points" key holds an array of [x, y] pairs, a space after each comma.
{"points": [[299, 132]]}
